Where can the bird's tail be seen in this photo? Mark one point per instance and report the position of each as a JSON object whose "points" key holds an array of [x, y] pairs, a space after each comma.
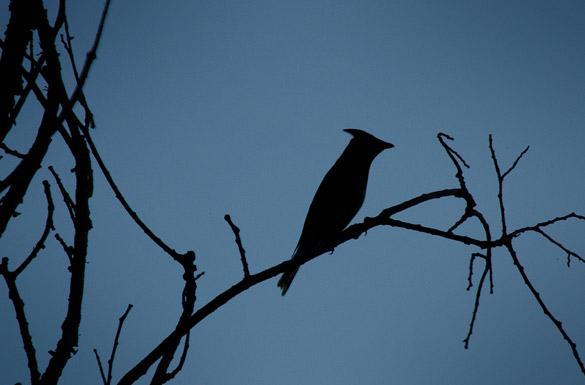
{"points": [[287, 278]]}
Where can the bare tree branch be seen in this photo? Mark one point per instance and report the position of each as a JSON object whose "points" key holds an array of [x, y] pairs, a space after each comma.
{"points": [[66, 197], [236, 232], [18, 34], [476, 304], [560, 246], [10, 151], [66, 248], [27, 342], [100, 366], [48, 227], [515, 162], [91, 56], [558, 324], [167, 249], [512, 252], [179, 367], [115, 345]]}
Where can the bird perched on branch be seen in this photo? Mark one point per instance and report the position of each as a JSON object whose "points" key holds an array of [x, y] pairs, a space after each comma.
{"points": [[337, 200]]}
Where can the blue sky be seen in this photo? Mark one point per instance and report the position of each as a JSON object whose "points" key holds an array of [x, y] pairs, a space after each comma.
{"points": [[208, 108]]}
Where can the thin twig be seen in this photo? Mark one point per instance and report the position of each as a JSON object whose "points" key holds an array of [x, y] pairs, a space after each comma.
{"points": [[10, 151], [432, 231], [48, 227], [159, 242], [100, 366], [560, 245], [500, 187], [465, 194], [516, 162], [66, 197], [90, 57], [475, 306], [558, 324], [115, 346], [69, 49], [236, 232], [470, 275], [66, 248], [547, 223], [450, 150]]}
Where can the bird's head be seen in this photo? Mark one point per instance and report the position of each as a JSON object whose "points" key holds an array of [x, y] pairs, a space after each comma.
{"points": [[368, 141]]}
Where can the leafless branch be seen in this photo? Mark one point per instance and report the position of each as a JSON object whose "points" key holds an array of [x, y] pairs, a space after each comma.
{"points": [[236, 231], [10, 151], [476, 305], [179, 367], [542, 225], [68, 45], [512, 252], [100, 366], [158, 241], [560, 245], [115, 346], [515, 162], [66, 248], [48, 227], [470, 275], [27, 342], [108, 380], [66, 197], [91, 56], [558, 324], [30, 77]]}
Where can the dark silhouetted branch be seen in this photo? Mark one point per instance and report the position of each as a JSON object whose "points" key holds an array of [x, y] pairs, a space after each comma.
{"points": [[508, 244], [476, 304], [18, 35], [27, 342], [560, 245], [100, 366], [108, 380], [175, 336], [90, 57], [558, 324], [12, 152], [167, 249], [179, 367], [48, 227], [236, 232], [66, 248], [66, 197]]}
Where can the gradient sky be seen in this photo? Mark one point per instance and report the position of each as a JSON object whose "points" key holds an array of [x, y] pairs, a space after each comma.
{"points": [[207, 108]]}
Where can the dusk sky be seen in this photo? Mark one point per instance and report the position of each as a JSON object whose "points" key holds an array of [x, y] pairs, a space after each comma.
{"points": [[207, 108]]}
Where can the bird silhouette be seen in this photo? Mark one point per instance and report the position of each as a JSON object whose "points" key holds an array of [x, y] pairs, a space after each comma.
{"points": [[337, 200]]}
